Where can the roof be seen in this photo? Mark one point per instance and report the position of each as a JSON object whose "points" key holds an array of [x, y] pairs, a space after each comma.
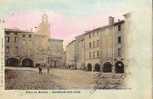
{"points": [[103, 27], [71, 42], [120, 22], [17, 30], [51, 39]]}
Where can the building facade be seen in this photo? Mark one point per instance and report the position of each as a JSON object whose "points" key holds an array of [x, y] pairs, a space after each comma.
{"points": [[24, 48], [71, 55], [56, 53], [102, 49]]}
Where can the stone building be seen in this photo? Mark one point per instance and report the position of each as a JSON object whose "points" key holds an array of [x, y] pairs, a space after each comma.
{"points": [[56, 53], [103, 48], [71, 55], [26, 48]]}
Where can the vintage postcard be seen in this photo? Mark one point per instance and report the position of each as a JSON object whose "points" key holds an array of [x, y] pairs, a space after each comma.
{"points": [[76, 49]]}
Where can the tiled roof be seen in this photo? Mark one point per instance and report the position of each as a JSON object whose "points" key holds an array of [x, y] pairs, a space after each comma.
{"points": [[103, 27], [16, 30]]}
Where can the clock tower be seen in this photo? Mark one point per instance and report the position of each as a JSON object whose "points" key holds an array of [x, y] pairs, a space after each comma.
{"points": [[44, 26]]}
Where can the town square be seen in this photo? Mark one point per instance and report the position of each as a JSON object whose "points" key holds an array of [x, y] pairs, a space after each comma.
{"points": [[101, 51], [76, 49]]}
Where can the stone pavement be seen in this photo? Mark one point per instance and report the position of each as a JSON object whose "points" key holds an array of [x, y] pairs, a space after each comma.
{"points": [[29, 78]]}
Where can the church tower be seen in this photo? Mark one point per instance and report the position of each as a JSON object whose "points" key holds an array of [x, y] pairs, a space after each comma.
{"points": [[43, 35], [44, 27]]}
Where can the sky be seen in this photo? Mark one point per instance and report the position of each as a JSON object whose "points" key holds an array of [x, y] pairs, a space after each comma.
{"points": [[67, 18]]}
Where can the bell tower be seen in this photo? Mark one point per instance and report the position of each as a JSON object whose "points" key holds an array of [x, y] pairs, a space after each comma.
{"points": [[44, 26]]}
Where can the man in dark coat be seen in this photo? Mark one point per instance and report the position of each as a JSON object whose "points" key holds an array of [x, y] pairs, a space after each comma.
{"points": [[40, 69], [48, 68]]}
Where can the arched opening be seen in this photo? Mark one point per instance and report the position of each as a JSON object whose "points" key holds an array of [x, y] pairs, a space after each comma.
{"points": [[12, 62], [119, 67], [107, 67], [97, 67], [89, 67], [27, 62]]}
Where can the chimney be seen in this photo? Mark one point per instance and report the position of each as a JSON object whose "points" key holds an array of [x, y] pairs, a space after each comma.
{"points": [[127, 15], [111, 20]]}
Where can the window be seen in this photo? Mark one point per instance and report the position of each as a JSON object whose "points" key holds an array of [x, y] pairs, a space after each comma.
{"points": [[8, 39], [119, 39], [16, 33], [23, 35], [16, 48], [97, 43], [15, 39], [30, 36], [119, 52], [89, 54], [7, 49], [119, 27], [7, 33], [89, 44], [89, 35], [97, 53]]}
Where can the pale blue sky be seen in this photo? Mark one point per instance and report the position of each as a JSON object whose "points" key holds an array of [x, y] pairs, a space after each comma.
{"points": [[69, 7]]}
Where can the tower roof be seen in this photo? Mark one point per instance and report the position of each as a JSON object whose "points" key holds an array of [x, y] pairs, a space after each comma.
{"points": [[44, 18]]}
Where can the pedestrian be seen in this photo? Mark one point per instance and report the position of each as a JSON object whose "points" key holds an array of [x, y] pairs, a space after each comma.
{"points": [[40, 69], [48, 68]]}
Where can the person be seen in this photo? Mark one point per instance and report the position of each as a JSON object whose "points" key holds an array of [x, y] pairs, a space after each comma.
{"points": [[40, 69], [48, 68]]}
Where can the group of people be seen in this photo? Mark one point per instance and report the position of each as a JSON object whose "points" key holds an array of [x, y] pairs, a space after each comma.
{"points": [[40, 68]]}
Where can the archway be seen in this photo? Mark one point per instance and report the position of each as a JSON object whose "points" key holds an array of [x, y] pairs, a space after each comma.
{"points": [[119, 67], [12, 62], [27, 62], [107, 67], [89, 67], [97, 67]]}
